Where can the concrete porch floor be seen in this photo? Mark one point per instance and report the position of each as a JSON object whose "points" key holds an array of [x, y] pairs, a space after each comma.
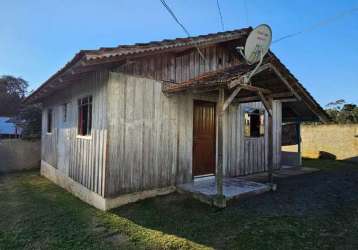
{"points": [[204, 189]]}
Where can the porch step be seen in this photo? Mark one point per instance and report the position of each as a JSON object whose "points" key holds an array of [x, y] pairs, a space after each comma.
{"points": [[234, 188]]}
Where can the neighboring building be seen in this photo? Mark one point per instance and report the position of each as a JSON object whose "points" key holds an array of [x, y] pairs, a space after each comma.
{"points": [[8, 128], [125, 123]]}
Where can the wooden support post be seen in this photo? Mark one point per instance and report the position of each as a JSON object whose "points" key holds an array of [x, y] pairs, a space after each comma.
{"points": [[299, 141], [267, 102], [270, 148], [219, 200]]}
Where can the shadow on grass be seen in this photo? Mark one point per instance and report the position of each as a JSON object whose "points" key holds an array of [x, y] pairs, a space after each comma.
{"points": [[317, 211], [299, 215], [36, 214]]}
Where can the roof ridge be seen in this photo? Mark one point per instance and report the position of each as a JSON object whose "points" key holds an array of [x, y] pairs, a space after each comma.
{"points": [[143, 45]]}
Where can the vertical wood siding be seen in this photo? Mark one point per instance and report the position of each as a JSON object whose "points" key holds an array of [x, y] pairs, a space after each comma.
{"points": [[85, 157], [150, 135], [49, 140], [277, 133], [142, 139], [182, 66], [243, 155]]}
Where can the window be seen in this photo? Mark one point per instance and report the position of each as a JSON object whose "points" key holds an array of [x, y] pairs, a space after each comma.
{"points": [[64, 112], [254, 123], [49, 121], [85, 115]]}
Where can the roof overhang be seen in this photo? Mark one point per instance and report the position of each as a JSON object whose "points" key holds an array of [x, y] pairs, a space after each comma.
{"points": [[273, 80], [92, 60], [276, 78]]}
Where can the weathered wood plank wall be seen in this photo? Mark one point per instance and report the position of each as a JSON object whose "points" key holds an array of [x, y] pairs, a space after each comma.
{"points": [[49, 141], [80, 158], [149, 136], [277, 133], [243, 155], [182, 66]]}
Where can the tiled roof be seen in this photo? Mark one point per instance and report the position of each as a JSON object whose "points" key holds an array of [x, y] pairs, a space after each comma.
{"points": [[102, 55], [123, 51], [154, 46]]}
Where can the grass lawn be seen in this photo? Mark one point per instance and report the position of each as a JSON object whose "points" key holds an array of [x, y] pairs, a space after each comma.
{"points": [[317, 211]]}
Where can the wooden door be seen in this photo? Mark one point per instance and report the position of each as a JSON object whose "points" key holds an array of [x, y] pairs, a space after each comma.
{"points": [[204, 140]]}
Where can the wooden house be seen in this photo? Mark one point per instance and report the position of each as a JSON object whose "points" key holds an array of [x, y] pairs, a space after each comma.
{"points": [[125, 123]]}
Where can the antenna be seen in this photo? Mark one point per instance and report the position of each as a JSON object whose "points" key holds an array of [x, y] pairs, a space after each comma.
{"points": [[257, 45]]}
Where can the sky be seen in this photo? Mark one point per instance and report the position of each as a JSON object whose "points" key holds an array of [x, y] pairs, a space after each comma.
{"points": [[38, 37]]}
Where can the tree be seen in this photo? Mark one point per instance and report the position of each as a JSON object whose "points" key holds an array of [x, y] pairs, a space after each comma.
{"points": [[342, 112], [30, 119], [12, 93]]}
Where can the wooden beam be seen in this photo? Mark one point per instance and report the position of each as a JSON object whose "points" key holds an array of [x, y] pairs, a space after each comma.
{"points": [[237, 83], [265, 102], [278, 73], [288, 100], [263, 67], [231, 98], [220, 201]]}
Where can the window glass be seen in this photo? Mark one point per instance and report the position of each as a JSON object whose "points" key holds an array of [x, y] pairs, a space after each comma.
{"points": [[254, 125], [85, 115], [49, 121], [64, 112]]}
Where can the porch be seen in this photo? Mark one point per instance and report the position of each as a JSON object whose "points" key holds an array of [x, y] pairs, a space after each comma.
{"points": [[204, 189], [257, 106]]}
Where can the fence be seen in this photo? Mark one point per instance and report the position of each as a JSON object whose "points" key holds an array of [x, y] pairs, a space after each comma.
{"points": [[17, 154], [336, 141]]}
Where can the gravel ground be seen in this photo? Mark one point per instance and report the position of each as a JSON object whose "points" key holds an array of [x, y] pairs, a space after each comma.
{"points": [[320, 192]]}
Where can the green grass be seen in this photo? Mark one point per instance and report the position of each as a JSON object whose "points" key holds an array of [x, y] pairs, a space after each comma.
{"points": [[36, 214], [330, 165]]}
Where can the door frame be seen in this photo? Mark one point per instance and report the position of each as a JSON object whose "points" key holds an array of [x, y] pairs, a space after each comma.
{"points": [[215, 137]]}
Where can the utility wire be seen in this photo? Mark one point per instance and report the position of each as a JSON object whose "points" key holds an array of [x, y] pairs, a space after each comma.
{"points": [[221, 16], [319, 24], [180, 24], [174, 17]]}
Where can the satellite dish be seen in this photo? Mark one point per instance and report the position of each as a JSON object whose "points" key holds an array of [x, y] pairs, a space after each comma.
{"points": [[257, 44]]}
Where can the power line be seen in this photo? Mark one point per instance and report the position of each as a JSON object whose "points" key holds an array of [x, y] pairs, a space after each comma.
{"points": [[174, 17], [180, 24], [220, 14], [319, 24]]}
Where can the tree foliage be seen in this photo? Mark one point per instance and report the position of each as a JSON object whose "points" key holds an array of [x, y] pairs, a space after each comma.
{"points": [[30, 117], [12, 93], [342, 112]]}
